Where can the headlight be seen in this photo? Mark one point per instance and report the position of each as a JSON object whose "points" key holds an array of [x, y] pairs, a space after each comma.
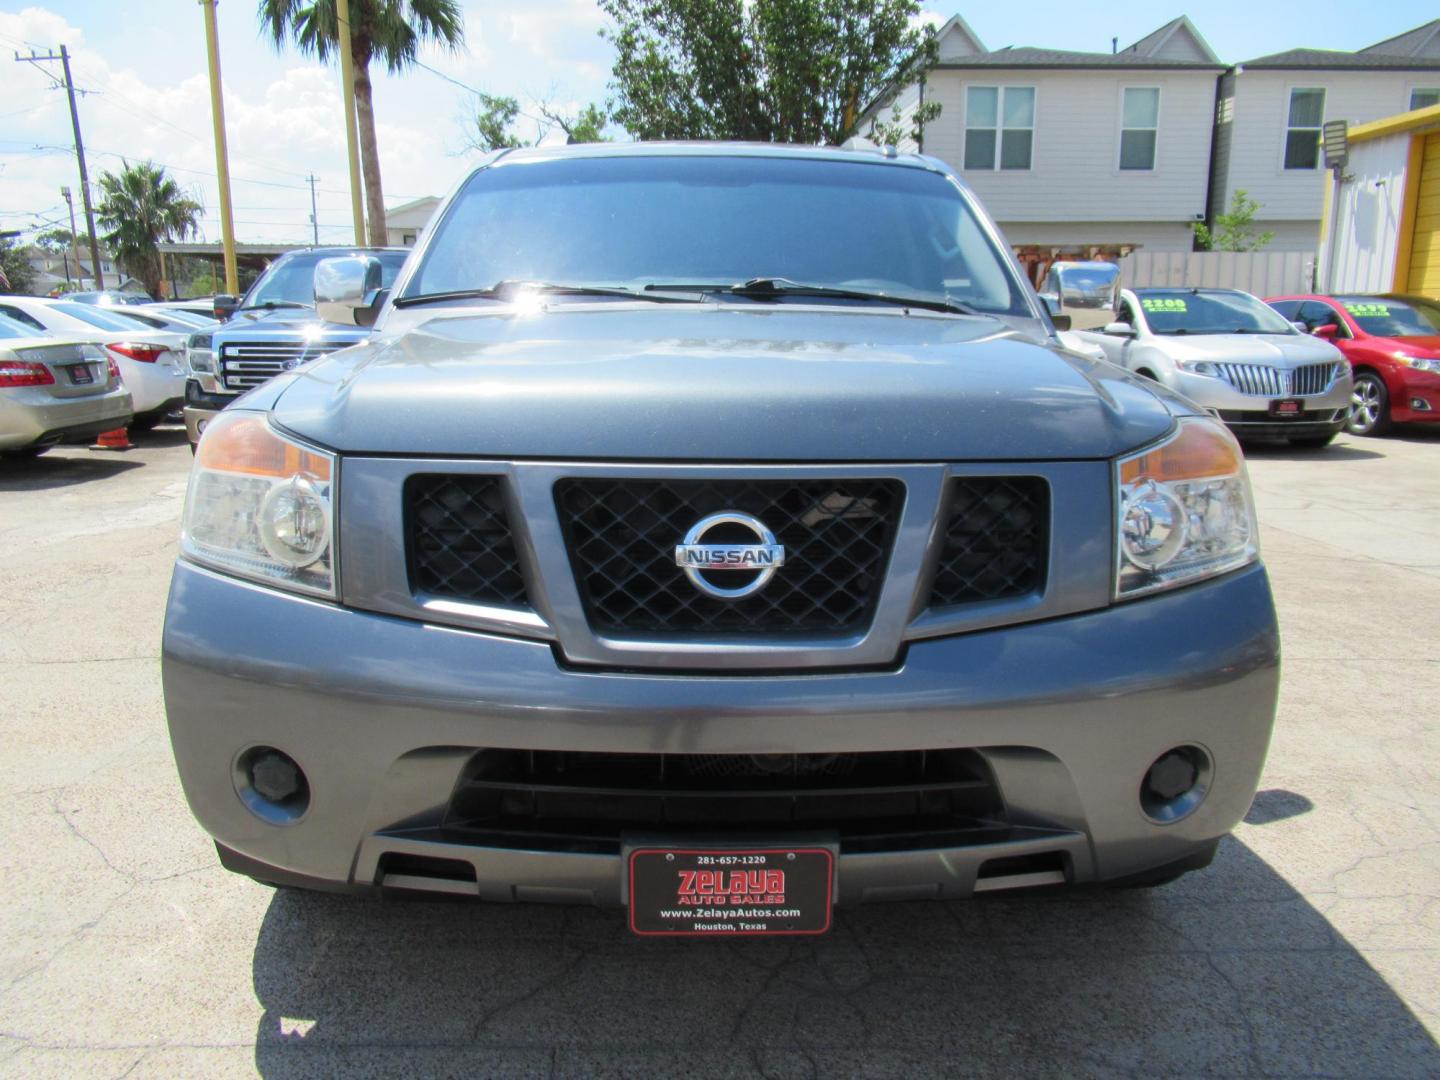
{"points": [[1199, 367], [1419, 363], [260, 506], [1186, 511], [198, 353]]}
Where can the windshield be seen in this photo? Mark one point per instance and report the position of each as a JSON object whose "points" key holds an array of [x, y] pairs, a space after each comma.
{"points": [[103, 318], [1200, 311], [671, 220], [1387, 317], [291, 280], [184, 318]]}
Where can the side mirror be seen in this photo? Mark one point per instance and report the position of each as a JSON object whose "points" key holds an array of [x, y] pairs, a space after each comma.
{"points": [[1118, 329], [225, 305], [347, 290], [1329, 331], [1052, 305]]}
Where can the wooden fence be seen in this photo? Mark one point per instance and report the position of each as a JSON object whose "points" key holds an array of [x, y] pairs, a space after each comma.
{"points": [[1264, 273]]}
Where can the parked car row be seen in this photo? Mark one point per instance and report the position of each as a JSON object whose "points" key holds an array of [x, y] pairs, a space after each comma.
{"points": [[1298, 368], [139, 348]]}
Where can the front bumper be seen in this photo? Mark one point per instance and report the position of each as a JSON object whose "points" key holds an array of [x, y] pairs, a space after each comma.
{"points": [[33, 417], [384, 713], [1415, 397], [1248, 415], [201, 406]]}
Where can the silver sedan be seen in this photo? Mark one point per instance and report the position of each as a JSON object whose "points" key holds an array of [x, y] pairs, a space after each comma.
{"points": [[55, 390], [1234, 355]]}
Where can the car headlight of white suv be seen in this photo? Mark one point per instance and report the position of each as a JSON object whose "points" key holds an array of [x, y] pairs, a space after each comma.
{"points": [[261, 506], [1185, 511]]}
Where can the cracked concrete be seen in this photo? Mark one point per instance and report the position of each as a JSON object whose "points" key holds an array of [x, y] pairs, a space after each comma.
{"points": [[1310, 948]]}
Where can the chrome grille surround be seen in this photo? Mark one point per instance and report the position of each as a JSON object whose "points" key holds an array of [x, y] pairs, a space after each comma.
{"points": [[247, 364], [1262, 380]]}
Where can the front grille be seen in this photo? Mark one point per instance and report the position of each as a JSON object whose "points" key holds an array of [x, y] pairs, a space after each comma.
{"points": [[1237, 416], [622, 534], [244, 364], [579, 800], [996, 540], [458, 539], [1259, 379]]}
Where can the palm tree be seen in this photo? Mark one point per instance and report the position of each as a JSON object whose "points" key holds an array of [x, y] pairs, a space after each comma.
{"points": [[142, 207], [389, 29]]}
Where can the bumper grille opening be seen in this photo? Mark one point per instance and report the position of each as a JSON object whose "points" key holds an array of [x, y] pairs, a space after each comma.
{"points": [[459, 542], [397, 865], [879, 801], [997, 539], [622, 534]]}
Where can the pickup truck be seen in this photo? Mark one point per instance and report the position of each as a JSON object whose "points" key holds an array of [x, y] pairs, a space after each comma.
{"points": [[274, 328], [721, 532]]}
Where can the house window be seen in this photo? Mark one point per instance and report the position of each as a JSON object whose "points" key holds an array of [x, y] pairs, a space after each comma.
{"points": [[1139, 123], [1424, 97], [1302, 132], [999, 127]]}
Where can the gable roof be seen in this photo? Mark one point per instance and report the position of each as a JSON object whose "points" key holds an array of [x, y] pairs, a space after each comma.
{"points": [[1027, 57], [1422, 41], [1311, 59], [956, 38], [1414, 50], [1175, 34]]}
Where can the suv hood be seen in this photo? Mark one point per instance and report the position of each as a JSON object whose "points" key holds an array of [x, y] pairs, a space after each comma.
{"points": [[703, 382]]}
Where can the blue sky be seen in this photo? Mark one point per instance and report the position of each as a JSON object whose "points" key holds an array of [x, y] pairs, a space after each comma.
{"points": [[144, 63]]}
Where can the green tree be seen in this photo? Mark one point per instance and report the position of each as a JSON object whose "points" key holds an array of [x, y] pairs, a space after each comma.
{"points": [[55, 241], [491, 126], [389, 30], [893, 132], [15, 268], [1235, 229], [142, 207], [770, 70]]}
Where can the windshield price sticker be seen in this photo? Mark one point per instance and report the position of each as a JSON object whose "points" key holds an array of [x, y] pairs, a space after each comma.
{"points": [[1364, 310], [686, 892], [1163, 304]]}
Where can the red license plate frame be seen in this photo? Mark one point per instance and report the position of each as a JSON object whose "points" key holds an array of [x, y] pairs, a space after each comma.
{"points": [[81, 375], [699, 890]]}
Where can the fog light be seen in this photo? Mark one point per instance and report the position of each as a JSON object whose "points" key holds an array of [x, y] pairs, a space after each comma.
{"points": [[1419, 404], [272, 785], [1175, 784]]}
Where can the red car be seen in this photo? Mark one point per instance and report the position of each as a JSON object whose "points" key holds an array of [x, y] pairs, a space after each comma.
{"points": [[1393, 345]]}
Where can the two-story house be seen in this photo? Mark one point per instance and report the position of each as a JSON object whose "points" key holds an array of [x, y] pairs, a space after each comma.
{"points": [[1074, 150], [1270, 111]]}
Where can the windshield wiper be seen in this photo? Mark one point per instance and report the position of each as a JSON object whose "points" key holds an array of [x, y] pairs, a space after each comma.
{"points": [[506, 289], [1254, 330], [772, 287], [270, 304]]}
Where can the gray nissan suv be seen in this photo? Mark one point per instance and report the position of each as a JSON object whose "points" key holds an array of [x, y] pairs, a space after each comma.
{"points": [[720, 531]]}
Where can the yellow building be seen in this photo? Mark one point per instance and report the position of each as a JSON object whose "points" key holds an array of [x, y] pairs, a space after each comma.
{"points": [[1382, 226]]}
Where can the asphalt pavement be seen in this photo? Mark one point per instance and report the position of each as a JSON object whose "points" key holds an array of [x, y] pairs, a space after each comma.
{"points": [[1310, 948]]}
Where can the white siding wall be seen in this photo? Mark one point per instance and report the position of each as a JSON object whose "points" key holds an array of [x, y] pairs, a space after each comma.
{"points": [[1257, 146], [1148, 235], [906, 101], [1075, 174], [1363, 258]]}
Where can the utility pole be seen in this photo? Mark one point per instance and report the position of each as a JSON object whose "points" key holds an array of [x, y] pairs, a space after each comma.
{"points": [[74, 237], [64, 58], [314, 219], [222, 156], [347, 94]]}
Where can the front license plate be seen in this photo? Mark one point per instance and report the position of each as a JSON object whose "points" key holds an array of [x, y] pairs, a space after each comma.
{"points": [[80, 375], [730, 892], [1289, 407]]}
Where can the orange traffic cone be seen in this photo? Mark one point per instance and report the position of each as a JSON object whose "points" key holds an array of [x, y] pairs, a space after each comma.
{"points": [[113, 440]]}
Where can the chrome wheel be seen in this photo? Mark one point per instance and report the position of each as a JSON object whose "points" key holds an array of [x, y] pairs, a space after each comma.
{"points": [[1368, 406]]}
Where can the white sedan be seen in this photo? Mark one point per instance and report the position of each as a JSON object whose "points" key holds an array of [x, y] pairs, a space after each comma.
{"points": [[151, 360], [1234, 355]]}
